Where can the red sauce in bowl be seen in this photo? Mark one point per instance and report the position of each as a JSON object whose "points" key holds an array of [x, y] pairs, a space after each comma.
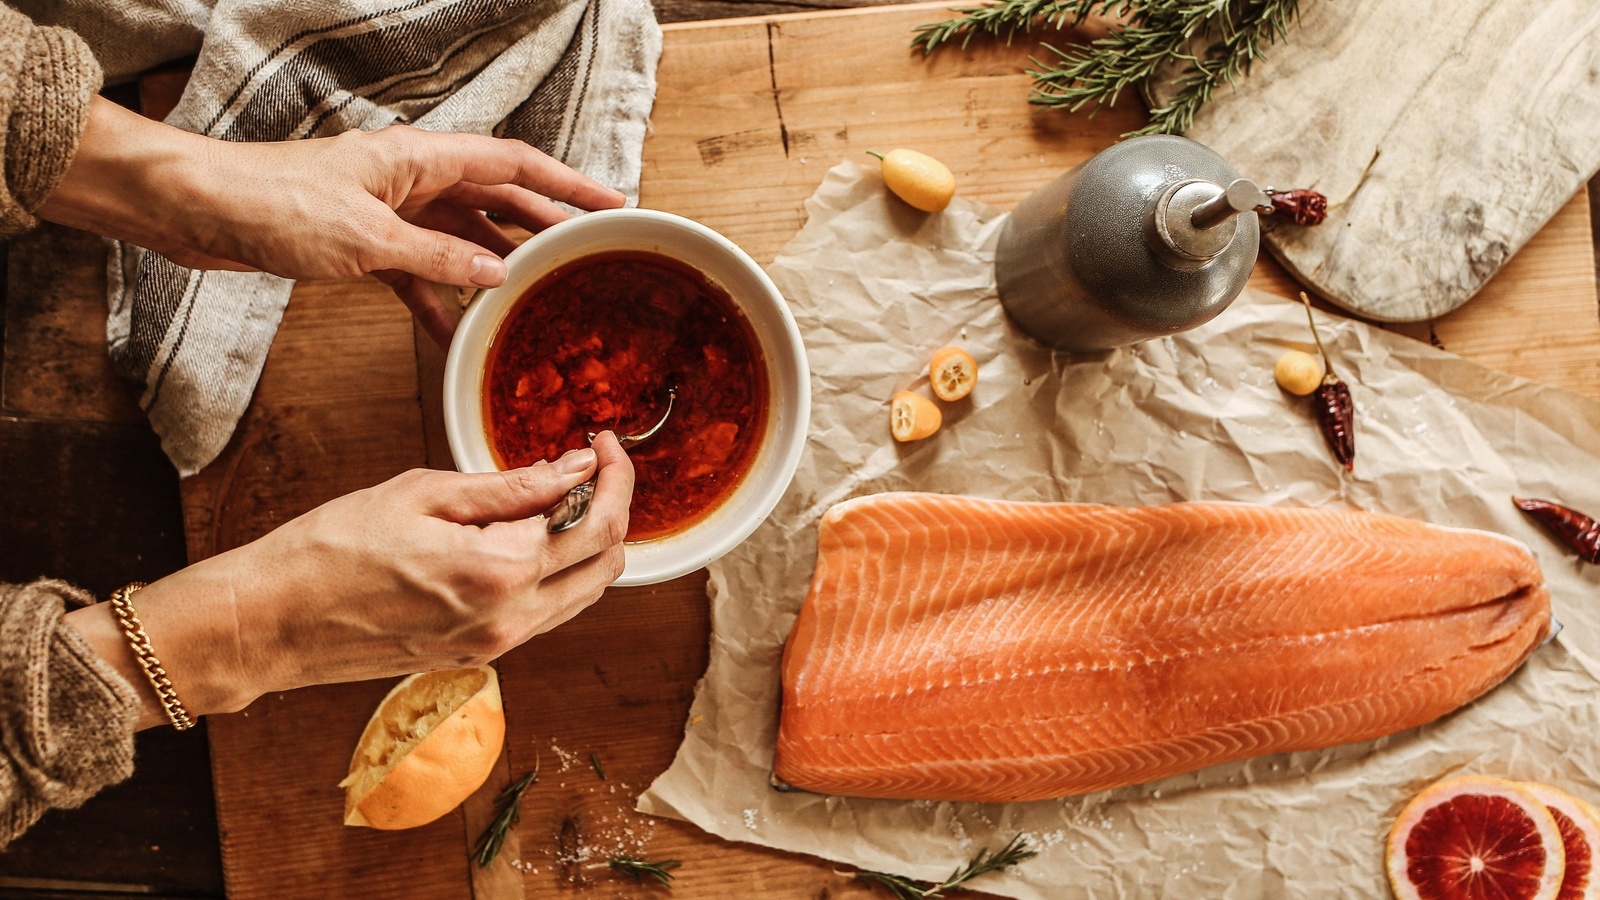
{"points": [[594, 346]]}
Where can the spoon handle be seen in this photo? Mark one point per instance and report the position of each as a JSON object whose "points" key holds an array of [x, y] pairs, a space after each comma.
{"points": [[573, 507]]}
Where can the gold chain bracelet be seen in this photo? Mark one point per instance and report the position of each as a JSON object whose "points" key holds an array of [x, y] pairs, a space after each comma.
{"points": [[122, 604]]}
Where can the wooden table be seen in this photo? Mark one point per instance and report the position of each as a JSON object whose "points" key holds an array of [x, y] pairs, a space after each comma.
{"points": [[749, 115]]}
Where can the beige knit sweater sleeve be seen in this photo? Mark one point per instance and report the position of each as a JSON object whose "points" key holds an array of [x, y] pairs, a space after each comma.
{"points": [[66, 717], [48, 76]]}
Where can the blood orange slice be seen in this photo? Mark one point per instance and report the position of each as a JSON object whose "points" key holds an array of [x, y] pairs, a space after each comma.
{"points": [[1475, 838], [1579, 824]]}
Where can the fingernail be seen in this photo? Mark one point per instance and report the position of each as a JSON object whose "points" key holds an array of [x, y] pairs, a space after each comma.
{"points": [[575, 462], [487, 271]]}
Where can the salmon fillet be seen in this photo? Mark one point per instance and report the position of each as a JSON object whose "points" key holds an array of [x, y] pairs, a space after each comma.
{"points": [[955, 648]]}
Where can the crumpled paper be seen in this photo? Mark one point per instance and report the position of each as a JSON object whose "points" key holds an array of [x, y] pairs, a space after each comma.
{"points": [[876, 288]]}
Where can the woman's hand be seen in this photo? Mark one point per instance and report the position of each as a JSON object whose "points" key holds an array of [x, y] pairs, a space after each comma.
{"points": [[406, 204], [428, 570]]}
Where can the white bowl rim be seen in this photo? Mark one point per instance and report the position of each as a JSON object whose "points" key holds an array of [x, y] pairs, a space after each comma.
{"points": [[713, 546]]}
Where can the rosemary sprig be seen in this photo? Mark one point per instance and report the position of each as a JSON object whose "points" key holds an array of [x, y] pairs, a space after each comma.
{"points": [[982, 864], [509, 805], [1005, 19], [1216, 41], [639, 869]]}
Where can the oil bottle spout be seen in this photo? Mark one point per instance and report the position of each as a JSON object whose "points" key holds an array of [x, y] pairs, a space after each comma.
{"points": [[1240, 196], [1195, 220]]}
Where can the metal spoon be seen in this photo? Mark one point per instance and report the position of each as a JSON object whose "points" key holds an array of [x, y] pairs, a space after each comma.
{"points": [[575, 505]]}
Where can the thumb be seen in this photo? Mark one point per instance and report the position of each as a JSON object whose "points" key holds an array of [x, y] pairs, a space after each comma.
{"points": [[481, 499], [439, 257]]}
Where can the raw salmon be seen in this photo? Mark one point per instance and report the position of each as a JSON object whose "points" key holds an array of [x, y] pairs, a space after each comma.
{"points": [[954, 648]]}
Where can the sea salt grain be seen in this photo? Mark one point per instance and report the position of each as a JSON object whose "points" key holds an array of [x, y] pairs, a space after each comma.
{"points": [[567, 758], [959, 832], [750, 821]]}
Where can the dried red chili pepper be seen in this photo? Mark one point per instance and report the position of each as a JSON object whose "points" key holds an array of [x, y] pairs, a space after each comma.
{"points": [[1335, 412], [1332, 404], [1299, 206], [1578, 532]]}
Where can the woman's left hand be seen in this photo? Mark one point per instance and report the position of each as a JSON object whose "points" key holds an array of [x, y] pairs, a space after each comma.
{"points": [[405, 204]]}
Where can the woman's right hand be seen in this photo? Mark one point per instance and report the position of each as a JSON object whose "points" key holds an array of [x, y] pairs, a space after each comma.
{"points": [[428, 570]]}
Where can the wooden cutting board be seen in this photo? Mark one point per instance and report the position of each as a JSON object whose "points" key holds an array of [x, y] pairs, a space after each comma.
{"points": [[1445, 135], [749, 115]]}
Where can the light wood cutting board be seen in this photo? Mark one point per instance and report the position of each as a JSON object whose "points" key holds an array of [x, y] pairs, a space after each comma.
{"points": [[1445, 135], [749, 115]]}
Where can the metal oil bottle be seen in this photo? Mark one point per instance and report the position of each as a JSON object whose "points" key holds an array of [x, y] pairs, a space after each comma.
{"points": [[1152, 236]]}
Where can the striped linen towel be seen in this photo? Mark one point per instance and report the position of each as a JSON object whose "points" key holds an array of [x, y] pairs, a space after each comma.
{"points": [[574, 78]]}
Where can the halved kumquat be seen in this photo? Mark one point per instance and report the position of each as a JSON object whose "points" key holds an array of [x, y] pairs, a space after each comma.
{"points": [[952, 373], [913, 417]]}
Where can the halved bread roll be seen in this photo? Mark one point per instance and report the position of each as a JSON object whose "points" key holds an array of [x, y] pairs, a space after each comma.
{"points": [[431, 742]]}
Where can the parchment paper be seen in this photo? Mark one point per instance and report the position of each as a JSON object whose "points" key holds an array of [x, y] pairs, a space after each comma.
{"points": [[876, 288]]}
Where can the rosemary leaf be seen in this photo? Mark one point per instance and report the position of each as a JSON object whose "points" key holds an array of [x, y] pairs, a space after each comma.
{"points": [[1014, 852], [594, 758], [902, 888], [509, 807], [905, 889], [639, 869], [1006, 18]]}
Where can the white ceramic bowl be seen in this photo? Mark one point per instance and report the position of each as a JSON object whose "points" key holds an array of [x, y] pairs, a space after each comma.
{"points": [[788, 378]]}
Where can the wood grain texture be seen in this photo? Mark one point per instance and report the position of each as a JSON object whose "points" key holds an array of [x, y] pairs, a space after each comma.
{"points": [[749, 116], [1443, 134], [608, 685], [1539, 319], [336, 410], [1530, 321], [55, 362], [90, 498], [277, 766], [96, 503], [152, 834], [63, 481], [670, 11]]}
